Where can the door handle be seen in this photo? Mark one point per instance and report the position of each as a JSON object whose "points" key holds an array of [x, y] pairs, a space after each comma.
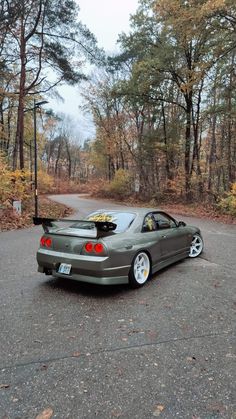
{"points": [[164, 236]]}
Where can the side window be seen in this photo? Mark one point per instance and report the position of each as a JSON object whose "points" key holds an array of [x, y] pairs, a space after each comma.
{"points": [[163, 221], [149, 223]]}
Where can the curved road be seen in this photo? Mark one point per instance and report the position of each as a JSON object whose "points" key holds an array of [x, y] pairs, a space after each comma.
{"points": [[82, 351], [220, 238]]}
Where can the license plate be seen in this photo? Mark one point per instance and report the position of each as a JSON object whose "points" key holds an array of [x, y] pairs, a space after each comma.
{"points": [[64, 268]]}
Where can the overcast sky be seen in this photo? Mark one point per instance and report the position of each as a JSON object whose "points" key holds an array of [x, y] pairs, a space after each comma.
{"points": [[106, 19]]}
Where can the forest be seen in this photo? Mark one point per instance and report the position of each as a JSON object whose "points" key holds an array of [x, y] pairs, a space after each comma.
{"points": [[164, 107]]}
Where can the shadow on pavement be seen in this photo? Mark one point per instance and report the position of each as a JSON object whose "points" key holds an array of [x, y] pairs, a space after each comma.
{"points": [[71, 286], [82, 288]]}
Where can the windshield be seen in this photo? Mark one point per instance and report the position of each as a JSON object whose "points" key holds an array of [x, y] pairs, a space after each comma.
{"points": [[123, 220]]}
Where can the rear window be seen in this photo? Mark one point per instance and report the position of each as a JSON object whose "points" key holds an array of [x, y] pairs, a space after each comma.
{"points": [[123, 220]]}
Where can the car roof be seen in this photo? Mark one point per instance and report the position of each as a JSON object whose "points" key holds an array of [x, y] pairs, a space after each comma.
{"points": [[138, 210], [139, 213]]}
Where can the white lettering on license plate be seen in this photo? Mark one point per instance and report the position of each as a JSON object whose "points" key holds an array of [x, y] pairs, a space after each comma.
{"points": [[64, 268]]}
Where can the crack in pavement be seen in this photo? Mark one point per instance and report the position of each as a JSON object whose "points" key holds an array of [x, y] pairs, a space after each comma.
{"points": [[116, 349]]}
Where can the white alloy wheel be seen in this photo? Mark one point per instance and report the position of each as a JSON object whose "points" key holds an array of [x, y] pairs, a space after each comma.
{"points": [[141, 268], [196, 247]]}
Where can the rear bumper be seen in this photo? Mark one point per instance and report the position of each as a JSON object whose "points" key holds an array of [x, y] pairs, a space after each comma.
{"points": [[91, 269]]}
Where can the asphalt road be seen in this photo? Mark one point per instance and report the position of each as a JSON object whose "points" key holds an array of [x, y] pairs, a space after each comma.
{"points": [[71, 350]]}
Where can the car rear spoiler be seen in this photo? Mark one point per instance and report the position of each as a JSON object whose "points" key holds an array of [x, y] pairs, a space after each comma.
{"points": [[50, 222]]}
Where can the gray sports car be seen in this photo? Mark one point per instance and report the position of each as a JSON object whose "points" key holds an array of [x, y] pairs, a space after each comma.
{"points": [[115, 246]]}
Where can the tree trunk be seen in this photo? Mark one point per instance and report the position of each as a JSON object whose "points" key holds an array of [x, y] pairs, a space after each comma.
{"points": [[197, 141], [212, 156], [229, 124], [69, 160], [19, 141], [187, 155], [167, 165], [57, 159]]}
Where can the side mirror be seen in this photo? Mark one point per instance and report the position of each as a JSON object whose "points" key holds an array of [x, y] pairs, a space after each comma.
{"points": [[181, 224]]}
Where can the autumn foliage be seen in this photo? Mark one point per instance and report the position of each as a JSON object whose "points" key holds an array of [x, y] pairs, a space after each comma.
{"points": [[14, 185], [227, 204], [164, 109], [120, 187]]}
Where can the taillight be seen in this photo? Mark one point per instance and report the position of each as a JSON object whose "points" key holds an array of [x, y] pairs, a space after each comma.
{"points": [[99, 248], [89, 247], [94, 248], [46, 242], [42, 241]]}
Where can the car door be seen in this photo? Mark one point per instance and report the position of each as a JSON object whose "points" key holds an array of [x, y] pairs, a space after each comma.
{"points": [[173, 239], [150, 238]]}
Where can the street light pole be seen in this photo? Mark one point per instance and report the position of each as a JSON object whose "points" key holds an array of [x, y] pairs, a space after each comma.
{"points": [[35, 165], [36, 106]]}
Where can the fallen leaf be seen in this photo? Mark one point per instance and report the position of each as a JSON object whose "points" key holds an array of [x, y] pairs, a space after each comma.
{"points": [[44, 367], [158, 410], [152, 334], [46, 414], [191, 358], [131, 332], [4, 386], [115, 413], [120, 372], [216, 407], [217, 284], [142, 302]]}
